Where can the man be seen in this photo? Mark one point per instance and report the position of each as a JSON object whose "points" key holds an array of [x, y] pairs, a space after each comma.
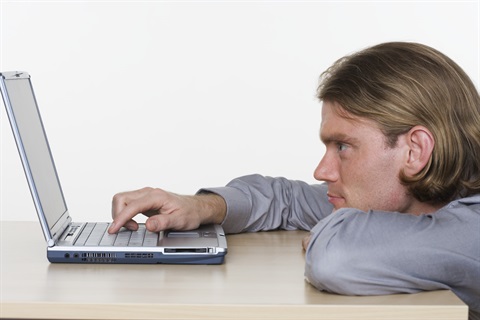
{"points": [[399, 211]]}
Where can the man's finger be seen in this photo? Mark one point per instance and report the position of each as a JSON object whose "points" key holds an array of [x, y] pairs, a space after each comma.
{"points": [[306, 242], [124, 218], [121, 200]]}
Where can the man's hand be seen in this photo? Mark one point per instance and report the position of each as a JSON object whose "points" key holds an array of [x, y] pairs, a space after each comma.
{"points": [[306, 241], [165, 210]]}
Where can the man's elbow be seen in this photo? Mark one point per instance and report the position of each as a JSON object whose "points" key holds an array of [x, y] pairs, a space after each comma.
{"points": [[328, 275], [343, 275]]}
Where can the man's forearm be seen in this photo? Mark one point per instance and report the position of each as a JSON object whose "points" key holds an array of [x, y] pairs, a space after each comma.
{"points": [[255, 203], [212, 208]]}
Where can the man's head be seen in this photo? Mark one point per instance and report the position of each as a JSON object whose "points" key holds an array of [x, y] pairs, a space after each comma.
{"points": [[406, 91]]}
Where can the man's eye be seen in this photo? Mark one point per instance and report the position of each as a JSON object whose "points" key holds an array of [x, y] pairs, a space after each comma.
{"points": [[341, 147]]}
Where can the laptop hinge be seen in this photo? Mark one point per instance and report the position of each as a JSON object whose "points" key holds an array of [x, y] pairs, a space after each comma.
{"points": [[56, 236]]}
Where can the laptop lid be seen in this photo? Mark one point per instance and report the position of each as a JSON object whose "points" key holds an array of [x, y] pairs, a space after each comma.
{"points": [[34, 150]]}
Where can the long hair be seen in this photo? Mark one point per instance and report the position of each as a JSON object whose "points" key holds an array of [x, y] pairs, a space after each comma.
{"points": [[400, 85]]}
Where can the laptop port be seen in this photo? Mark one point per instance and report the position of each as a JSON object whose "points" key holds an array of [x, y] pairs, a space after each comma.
{"points": [[185, 250]]}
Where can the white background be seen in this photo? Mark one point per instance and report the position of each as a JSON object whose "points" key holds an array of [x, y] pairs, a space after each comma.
{"points": [[189, 94]]}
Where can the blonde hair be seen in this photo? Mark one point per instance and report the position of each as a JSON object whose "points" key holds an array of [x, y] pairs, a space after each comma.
{"points": [[400, 85]]}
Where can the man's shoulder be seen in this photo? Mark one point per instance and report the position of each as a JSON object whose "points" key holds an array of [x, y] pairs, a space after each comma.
{"points": [[468, 203]]}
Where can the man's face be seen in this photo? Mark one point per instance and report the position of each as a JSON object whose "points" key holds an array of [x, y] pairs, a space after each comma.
{"points": [[360, 169]]}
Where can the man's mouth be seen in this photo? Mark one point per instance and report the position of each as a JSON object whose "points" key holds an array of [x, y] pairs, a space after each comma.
{"points": [[336, 200]]}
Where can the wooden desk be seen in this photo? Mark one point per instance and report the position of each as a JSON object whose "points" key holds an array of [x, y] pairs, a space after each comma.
{"points": [[262, 278]]}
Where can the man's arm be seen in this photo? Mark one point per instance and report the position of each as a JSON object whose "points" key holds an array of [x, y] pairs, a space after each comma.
{"points": [[373, 253], [259, 203], [250, 203]]}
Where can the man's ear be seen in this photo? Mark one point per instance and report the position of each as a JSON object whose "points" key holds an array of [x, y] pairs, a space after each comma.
{"points": [[420, 143]]}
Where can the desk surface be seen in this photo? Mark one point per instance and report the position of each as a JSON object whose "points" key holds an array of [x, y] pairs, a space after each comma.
{"points": [[262, 278]]}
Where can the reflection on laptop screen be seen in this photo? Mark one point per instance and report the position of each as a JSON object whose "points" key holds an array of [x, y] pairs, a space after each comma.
{"points": [[36, 148]]}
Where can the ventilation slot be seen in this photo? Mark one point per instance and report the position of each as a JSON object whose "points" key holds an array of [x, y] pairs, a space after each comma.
{"points": [[139, 255], [99, 257]]}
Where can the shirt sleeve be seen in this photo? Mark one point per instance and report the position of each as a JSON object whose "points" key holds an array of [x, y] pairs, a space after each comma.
{"points": [[374, 253], [256, 203]]}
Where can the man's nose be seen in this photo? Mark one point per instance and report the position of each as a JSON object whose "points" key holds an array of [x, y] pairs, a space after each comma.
{"points": [[326, 170]]}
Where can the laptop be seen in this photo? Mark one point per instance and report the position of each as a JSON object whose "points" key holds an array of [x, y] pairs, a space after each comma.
{"points": [[89, 242]]}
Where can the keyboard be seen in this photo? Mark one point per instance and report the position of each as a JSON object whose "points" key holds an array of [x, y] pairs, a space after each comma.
{"points": [[96, 234]]}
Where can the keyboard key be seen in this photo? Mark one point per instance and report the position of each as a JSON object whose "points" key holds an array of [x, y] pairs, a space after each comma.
{"points": [[96, 234], [84, 234], [108, 239], [123, 237], [151, 239], [136, 239]]}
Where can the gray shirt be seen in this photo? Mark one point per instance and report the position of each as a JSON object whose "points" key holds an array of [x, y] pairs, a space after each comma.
{"points": [[353, 252]]}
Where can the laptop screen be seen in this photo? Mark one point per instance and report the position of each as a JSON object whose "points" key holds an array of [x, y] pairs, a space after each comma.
{"points": [[36, 148]]}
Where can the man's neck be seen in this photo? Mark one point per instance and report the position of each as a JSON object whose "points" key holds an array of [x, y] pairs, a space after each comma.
{"points": [[418, 208]]}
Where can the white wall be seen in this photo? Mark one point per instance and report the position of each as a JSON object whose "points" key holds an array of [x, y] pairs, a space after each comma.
{"points": [[187, 94]]}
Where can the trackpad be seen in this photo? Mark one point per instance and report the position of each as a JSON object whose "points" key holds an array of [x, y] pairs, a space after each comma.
{"points": [[175, 234]]}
